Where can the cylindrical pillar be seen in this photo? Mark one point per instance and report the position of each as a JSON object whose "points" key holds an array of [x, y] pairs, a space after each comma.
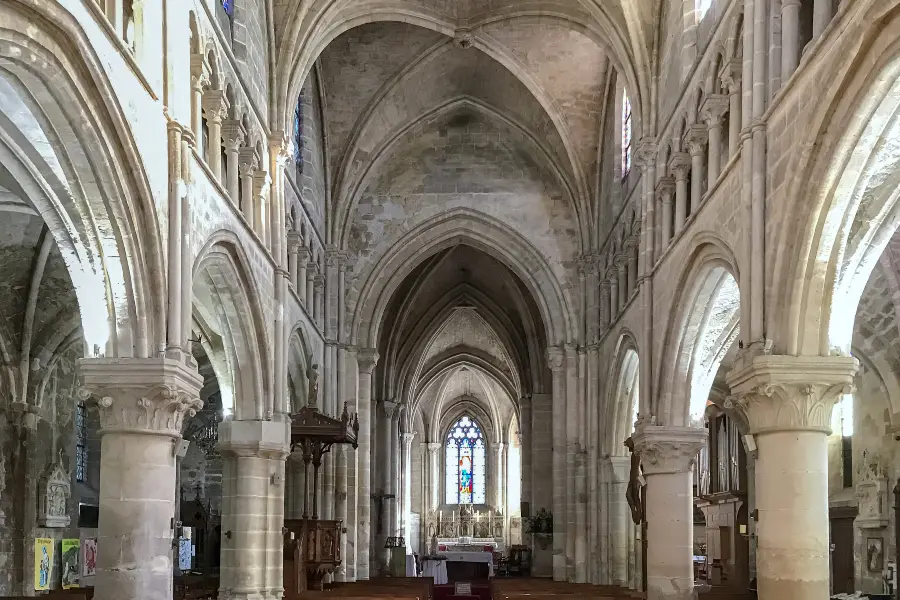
{"points": [[681, 197], [137, 469], [406, 486], [787, 402], [301, 284], [613, 295], [604, 305], [667, 457], [623, 283], [790, 38], [319, 295], [696, 177], [248, 169], [434, 474], [253, 455], [715, 149], [734, 119], [311, 301], [395, 473], [366, 360], [821, 17], [556, 360], [619, 519], [501, 483], [667, 186]]}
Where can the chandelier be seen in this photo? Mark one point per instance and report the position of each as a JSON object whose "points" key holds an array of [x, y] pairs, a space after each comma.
{"points": [[203, 430]]}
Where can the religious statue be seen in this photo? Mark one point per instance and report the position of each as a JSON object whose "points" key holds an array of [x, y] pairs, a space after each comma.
{"points": [[633, 492], [312, 394], [433, 548], [327, 545], [54, 489]]}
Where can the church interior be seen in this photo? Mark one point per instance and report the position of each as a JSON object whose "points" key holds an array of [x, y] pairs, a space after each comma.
{"points": [[449, 299]]}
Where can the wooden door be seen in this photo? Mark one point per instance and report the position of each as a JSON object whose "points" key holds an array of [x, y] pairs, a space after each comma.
{"points": [[842, 556]]}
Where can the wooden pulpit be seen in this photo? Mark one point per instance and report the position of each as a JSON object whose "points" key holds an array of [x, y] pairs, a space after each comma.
{"points": [[312, 550]]}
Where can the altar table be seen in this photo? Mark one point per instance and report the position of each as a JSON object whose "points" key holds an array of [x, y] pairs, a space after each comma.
{"points": [[472, 557], [436, 569]]}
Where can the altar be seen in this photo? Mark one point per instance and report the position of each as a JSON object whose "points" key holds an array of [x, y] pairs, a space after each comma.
{"points": [[467, 529]]}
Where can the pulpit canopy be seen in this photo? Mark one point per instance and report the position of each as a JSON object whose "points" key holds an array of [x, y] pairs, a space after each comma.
{"points": [[309, 425]]}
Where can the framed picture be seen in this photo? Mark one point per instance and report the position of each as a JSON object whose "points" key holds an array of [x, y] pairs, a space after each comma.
{"points": [[875, 555]]}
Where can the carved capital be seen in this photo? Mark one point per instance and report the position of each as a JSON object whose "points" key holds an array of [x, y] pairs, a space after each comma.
{"points": [[233, 133], [696, 137], [713, 109], [434, 447], [215, 105], [666, 450], [294, 241], [790, 393], [665, 187], [680, 164], [367, 358], [261, 182], [141, 395], [646, 152], [731, 74], [248, 161], [555, 359]]}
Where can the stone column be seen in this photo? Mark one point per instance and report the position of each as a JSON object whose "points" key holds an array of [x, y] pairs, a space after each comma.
{"points": [[319, 295], [385, 459], [604, 305], [731, 78], [501, 483], [790, 38], [248, 162], [340, 504], [142, 405], [406, 486], [668, 455], [199, 82], [234, 134], [613, 280], [294, 242], [631, 249], [555, 359], [434, 474], [261, 184], [697, 139], [786, 402], [680, 164], [215, 105], [664, 189], [714, 108], [395, 472], [297, 491], [619, 519], [301, 286], [822, 14], [366, 359], [622, 263], [253, 462]]}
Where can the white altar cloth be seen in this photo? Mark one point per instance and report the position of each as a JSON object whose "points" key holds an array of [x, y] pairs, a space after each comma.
{"points": [[474, 557], [436, 569]]}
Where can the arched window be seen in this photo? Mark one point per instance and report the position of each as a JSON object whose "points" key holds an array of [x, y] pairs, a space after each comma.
{"points": [[702, 8], [626, 134], [81, 452], [465, 463], [225, 16]]}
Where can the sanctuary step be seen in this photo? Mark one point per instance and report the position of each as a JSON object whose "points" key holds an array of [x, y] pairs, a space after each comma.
{"points": [[401, 588], [545, 589]]}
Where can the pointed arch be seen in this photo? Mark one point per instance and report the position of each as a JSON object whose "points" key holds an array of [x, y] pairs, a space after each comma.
{"points": [[225, 296]]}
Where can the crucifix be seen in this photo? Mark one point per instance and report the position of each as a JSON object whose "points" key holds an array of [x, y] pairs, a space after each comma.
{"points": [[379, 510]]}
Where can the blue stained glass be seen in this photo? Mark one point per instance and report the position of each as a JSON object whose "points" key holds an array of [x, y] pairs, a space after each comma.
{"points": [[228, 5], [465, 480]]}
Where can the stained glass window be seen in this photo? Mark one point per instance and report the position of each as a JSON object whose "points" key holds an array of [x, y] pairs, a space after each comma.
{"points": [[626, 134], [465, 463], [228, 5], [80, 443]]}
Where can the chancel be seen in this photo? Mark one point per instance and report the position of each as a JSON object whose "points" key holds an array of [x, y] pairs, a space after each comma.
{"points": [[449, 299]]}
